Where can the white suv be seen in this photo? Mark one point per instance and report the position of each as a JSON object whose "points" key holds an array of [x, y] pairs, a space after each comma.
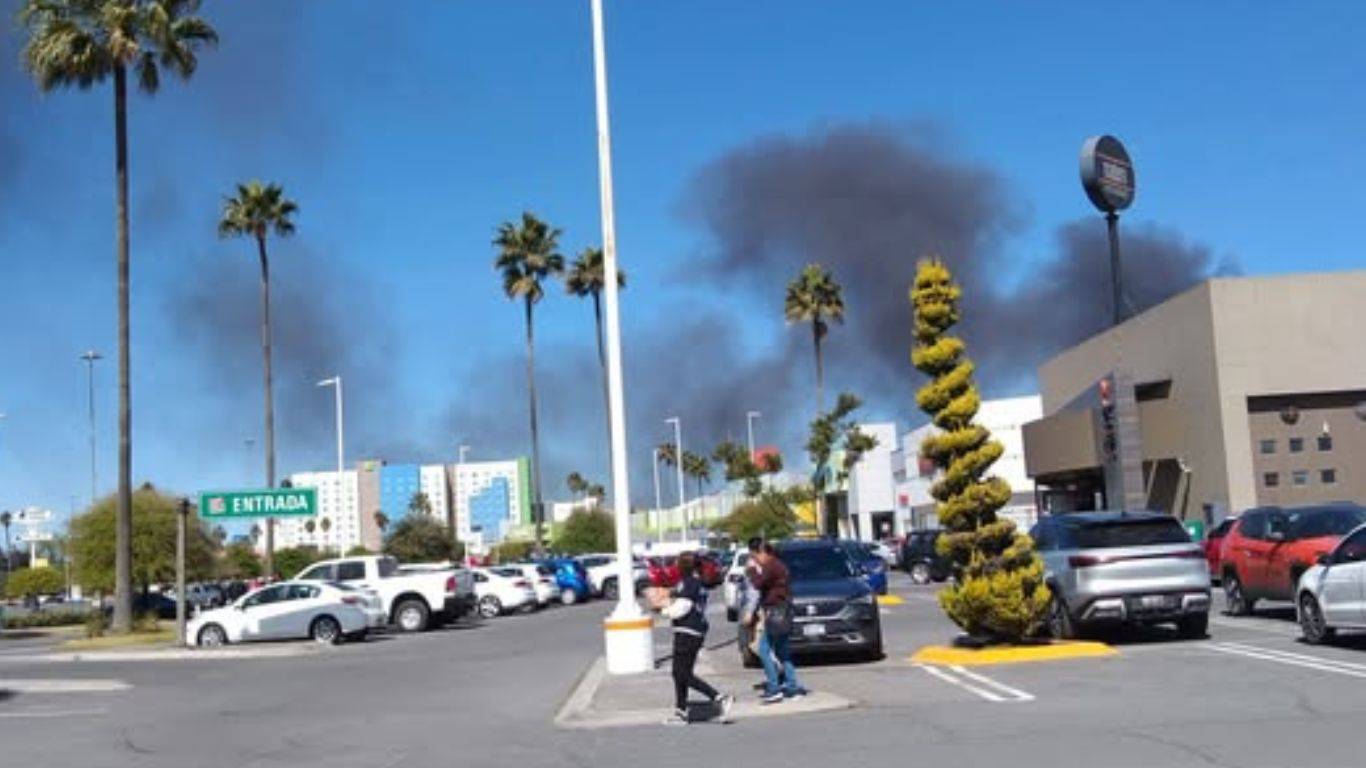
{"points": [[733, 588]]}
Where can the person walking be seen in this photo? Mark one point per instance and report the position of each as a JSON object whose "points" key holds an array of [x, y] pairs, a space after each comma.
{"points": [[775, 653], [751, 615], [687, 609]]}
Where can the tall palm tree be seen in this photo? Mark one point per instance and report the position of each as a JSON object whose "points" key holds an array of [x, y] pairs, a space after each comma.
{"points": [[5, 519], [698, 468], [576, 484], [586, 277], [81, 43], [528, 255], [326, 525], [668, 453], [256, 211], [814, 297], [381, 521]]}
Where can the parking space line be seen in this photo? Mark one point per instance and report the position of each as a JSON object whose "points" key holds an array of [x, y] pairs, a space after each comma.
{"points": [[1293, 659], [26, 685], [1002, 693], [40, 713]]}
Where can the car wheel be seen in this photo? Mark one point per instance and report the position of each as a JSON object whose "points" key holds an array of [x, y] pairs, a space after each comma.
{"points": [[411, 615], [212, 636], [1061, 625], [325, 630], [1312, 624], [920, 573], [609, 589], [569, 597], [1193, 627], [489, 606], [1238, 602]]}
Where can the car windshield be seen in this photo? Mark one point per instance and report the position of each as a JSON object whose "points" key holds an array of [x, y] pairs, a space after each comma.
{"points": [[1316, 522], [811, 563], [508, 572], [1123, 533], [388, 566]]}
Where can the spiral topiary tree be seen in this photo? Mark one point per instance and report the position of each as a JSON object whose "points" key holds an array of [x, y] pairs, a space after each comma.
{"points": [[998, 592]]}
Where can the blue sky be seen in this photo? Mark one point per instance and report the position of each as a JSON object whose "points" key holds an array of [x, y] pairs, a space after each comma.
{"points": [[407, 135]]}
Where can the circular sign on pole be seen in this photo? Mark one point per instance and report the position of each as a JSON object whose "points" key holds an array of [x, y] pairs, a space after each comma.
{"points": [[1107, 174]]}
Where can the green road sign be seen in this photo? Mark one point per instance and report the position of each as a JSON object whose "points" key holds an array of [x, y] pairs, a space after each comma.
{"points": [[267, 502]]}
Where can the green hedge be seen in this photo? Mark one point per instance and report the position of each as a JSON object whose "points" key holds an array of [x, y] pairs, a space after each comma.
{"points": [[46, 619]]}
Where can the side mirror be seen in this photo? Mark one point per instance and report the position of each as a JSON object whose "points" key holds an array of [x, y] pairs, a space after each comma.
{"points": [[1322, 558]]}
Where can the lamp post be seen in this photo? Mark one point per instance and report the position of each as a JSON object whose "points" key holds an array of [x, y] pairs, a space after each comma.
{"points": [[749, 429], [183, 511], [90, 356], [455, 500], [336, 381], [628, 635], [659, 504], [678, 465]]}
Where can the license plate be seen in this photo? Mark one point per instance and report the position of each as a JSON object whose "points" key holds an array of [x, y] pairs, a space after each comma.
{"points": [[813, 630], [1158, 601]]}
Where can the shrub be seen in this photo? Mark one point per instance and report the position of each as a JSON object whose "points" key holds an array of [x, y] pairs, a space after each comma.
{"points": [[511, 551], [31, 582], [50, 618], [586, 530], [419, 538], [95, 624]]}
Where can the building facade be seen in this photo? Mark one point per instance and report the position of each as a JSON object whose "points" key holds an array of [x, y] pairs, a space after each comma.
{"points": [[1250, 391], [338, 504], [872, 490], [489, 498]]}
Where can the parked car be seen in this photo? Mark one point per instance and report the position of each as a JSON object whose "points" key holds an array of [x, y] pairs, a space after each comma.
{"points": [[284, 611], [1270, 548], [734, 584], [414, 600], [602, 574], [1332, 593], [890, 552], [834, 610], [542, 578], [921, 560], [202, 595], [1122, 568], [571, 577], [1214, 543], [868, 563], [502, 589]]}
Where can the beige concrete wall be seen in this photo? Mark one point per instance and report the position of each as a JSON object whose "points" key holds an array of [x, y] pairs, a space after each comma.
{"points": [[1282, 335]]}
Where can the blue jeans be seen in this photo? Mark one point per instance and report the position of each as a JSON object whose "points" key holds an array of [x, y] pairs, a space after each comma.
{"points": [[772, 652]]}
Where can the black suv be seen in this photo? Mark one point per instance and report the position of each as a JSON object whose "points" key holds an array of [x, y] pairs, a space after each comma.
{"points": [[834, 611], [920, 558]]}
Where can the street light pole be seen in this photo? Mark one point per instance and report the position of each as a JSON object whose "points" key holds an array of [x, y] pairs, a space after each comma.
{"points": [[184, 512], [659, 504], [678, 465], [749, 428], [336, 381], [628, 635], [455, 499], [90, 356]]}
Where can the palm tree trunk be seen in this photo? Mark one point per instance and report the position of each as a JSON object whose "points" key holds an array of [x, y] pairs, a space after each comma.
{"points": [[820, 369], [537, 511], [270, 400], [602, 363], [123, 519]]}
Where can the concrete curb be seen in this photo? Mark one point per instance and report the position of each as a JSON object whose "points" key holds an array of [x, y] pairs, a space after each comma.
{"points": [[578, 712], [168, 654]]}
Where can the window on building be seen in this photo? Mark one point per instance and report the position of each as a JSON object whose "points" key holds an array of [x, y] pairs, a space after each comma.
{"points": [[1268, 446], [1328, 476], [1325, 442], [1271, 479], [1296, 444], [1299, 477]]}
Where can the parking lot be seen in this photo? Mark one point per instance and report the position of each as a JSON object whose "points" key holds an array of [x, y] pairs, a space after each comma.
{"points": [[487, 693]]}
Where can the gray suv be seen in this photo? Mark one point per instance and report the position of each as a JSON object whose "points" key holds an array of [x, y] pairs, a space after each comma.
{"points": [[1122, 568]]}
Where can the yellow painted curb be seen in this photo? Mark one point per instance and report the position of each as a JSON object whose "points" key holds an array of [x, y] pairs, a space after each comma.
{"points": [[889, 600], [1016, 654]]}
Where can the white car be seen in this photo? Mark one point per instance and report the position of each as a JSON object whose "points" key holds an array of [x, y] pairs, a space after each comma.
{"points": [[542, 578], [888, 552], [735, 578], [285, 611], [502, 589], [1332, 594], [602, 574]]}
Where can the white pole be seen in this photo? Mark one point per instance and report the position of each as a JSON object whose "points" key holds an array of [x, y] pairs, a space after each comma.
{"points": [[628, 634], [336, 382], [678, 465], [455, 500], [659, 504], [749, 427]]}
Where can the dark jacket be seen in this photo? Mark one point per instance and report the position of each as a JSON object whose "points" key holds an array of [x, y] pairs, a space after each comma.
{"points": [[689, 607], [772, 583]]}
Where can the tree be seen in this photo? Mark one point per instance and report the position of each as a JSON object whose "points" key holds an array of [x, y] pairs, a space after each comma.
{"points": [[668, 453], [256, 211], [829, 431], [290, 561], [358, 551], [698, 468], [419, 539], [220, 535], [998, 590], [381, 521], [814, 297], [769, 517], [239, 562], [770, 462], [595, 491], [587, 530], [6, 518], [255, 533], [310, 526], [326, 525], [154, 542], [528, 255], [576, 484], [739, 466], [587, 277], [81, 43], [420, 504], [32, 582]]}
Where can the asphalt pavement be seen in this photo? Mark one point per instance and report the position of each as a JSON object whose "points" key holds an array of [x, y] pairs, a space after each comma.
{"points": [[487, 693]]}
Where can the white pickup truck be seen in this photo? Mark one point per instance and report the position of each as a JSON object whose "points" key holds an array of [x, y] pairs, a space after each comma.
{"points": [[413, 600], [602, 574]]}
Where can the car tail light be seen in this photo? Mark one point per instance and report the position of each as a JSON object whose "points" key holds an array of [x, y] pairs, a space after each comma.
{"points": [[351, 600], [450, 584], [521, 583], [1084, 561]]}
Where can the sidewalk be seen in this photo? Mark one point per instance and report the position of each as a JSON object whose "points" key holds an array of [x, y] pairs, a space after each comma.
{"points": [[601, 700]]}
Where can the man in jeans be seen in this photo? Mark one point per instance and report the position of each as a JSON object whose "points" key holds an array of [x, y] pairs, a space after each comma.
{"points": [[775, 597]]}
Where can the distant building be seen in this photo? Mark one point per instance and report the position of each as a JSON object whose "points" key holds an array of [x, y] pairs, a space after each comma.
{"points": [[872, 499], [1250, 391], [489, 498], [337, 503]]}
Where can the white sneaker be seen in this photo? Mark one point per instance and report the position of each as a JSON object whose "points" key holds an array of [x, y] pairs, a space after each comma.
{"points": [[678, 717], [725, 703]]}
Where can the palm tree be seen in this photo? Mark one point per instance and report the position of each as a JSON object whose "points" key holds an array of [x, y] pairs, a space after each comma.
{"points": [[698, 468], [668, 453], [310, 526], [326, 525], [381, 521], [81, 43], [527, 256], [255, 533], [576, 484], [256, 211], [586, 277], [814, 297], [5, 519]]}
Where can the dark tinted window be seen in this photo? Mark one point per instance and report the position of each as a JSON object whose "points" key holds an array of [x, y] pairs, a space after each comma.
{"points": [[351, 570], [1315, 522], [1296, 444], [266, 596], [1353, 548], [1122, 533], [318, 573], [1253, 525], [1325, 442], [1221, 530], [388, 566], [816, 563]]}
